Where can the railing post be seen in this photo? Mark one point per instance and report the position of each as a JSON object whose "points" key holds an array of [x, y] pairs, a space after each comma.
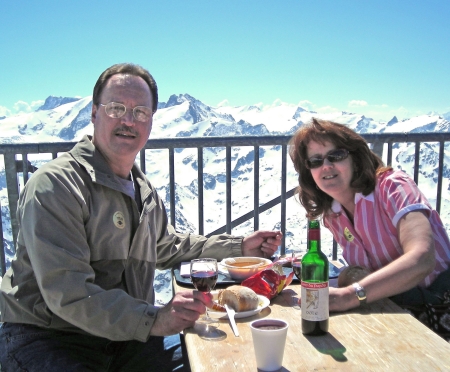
{"points": [[172, 186], [25, 168], [142, 160], [2, 253], [256, 188], [440, 176], [228, 192], [416, 162], [334, 251], [13, 192], [200, 189], [283, 197], [389, 154]]}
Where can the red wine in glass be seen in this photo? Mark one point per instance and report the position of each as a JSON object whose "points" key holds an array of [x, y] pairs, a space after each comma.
{"points": [[297, 269], [204, 281], [204, 275], [297, 263]]}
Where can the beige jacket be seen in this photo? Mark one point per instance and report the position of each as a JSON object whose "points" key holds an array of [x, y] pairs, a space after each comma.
{"points": [[86, 257]]}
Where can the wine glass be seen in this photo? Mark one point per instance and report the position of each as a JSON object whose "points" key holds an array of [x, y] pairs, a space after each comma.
{"points": [[204, 274], [297, 263]]}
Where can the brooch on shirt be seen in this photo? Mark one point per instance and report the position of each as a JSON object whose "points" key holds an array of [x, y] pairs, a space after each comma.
{"points": [[119, 220], [348, 235]]}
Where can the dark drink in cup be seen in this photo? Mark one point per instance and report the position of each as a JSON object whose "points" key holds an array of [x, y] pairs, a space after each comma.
{"points": [[297, 268], [269, 327], [269, 340]]}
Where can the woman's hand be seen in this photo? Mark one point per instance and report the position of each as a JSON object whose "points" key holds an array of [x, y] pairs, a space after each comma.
{"points": [[342, 299]]}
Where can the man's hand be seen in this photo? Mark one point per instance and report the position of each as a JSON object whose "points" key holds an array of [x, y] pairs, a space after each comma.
{"points": [[261, 243], [181, 312]]}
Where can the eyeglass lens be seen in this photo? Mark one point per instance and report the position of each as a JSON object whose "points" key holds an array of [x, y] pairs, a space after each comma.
{"points": [[117, 110], [333, 157]]}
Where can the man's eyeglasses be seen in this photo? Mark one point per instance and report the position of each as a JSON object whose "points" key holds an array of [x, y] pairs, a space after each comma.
{"points": [[117, 110], [333, 156]]}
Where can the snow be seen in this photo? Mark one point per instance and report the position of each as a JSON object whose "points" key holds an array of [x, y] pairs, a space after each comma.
{"points": [[186, 116], [413, 123]]}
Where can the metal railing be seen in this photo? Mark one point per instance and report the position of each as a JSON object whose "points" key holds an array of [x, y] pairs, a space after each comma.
{"points": [[381, 143]]}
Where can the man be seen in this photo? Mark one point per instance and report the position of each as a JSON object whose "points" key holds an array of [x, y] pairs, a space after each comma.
{"points": [[79, 294]]}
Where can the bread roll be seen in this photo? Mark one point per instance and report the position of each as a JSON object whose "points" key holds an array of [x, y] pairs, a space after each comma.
{"points": [[351, 274], [239, 298]]}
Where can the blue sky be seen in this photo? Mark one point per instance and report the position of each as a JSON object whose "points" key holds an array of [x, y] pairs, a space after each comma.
{"points": [[380, 58]]}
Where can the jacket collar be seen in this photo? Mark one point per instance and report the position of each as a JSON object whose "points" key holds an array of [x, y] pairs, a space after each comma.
{"points": [[87, 155]]}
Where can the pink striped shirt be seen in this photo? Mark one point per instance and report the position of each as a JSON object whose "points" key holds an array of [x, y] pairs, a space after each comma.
{"points": [[372, 241]]}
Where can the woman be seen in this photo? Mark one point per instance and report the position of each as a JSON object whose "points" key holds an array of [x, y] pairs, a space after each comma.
{"points": [[377, 215]]}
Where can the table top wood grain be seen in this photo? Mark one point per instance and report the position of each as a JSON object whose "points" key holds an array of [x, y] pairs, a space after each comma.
{"points": [[376, 337]]}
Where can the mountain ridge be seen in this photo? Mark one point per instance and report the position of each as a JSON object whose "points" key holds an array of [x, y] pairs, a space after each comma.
{"points": [[68, 119]]}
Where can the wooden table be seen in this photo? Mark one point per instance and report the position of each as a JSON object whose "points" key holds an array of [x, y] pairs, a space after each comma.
{"points": [[377, 337]]}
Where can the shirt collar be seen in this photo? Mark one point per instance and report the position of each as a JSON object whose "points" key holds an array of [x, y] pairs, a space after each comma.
{"points": [[359, 196], [336, 207]]}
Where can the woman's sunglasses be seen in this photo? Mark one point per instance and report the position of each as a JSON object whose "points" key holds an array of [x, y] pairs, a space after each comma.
{"points": [[333, 156]]}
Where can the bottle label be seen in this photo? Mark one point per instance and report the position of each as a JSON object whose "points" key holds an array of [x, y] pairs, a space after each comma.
{"points": [[315, 302]]}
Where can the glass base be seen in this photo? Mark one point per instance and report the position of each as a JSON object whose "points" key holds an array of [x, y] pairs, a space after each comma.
{"points": [[205, 319], [209, 332]]}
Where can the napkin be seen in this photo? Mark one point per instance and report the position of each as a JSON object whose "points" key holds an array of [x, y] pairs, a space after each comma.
{"points": [[185, 269]]}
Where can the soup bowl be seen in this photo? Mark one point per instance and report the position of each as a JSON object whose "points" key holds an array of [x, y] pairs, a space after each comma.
{"points": [[241, 268]]}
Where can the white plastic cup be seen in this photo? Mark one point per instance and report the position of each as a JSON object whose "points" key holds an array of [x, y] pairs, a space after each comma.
{"points": [[269, 340]]}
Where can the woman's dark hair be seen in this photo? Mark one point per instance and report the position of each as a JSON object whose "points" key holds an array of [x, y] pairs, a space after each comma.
{"points": [[125, 68], [367, 165]]}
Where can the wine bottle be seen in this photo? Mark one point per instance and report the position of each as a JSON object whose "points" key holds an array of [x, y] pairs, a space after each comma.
{"points": [[315, 290]]}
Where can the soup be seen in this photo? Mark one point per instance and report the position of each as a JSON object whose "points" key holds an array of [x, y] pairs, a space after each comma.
{"points": [[243, 264]]}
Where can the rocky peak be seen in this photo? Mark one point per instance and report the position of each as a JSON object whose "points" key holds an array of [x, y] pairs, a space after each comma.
{"points": [[52, 102]]}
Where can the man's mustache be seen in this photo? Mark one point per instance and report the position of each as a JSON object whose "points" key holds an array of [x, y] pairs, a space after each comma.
{"points": [[125, 130]]}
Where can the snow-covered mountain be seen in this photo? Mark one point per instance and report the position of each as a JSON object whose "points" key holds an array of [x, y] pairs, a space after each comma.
{"points": [[68, 119], [59, 119]]}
